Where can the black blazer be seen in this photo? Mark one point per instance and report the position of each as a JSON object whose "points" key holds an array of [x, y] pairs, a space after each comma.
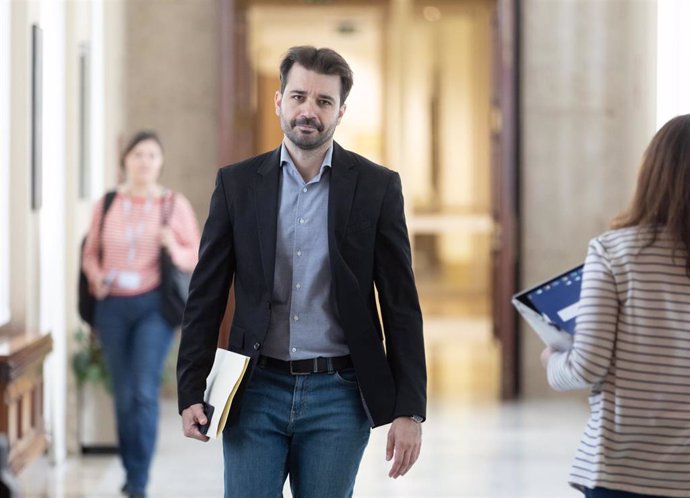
{"points": [[368, 245]]}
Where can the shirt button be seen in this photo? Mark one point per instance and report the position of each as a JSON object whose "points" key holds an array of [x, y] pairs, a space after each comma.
{"points": [[295, 318], [299, 286], [301, 221], [299, 253], [305, 189], [257, 346], [294, 350]]}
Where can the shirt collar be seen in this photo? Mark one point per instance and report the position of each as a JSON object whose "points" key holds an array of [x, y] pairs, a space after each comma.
{"points": [[286, 159]]}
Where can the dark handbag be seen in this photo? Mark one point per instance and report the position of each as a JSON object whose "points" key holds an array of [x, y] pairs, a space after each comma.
{"points": [[174, 287], [87, 301]]}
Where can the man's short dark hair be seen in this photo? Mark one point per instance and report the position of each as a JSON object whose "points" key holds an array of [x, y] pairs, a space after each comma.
{"points": [[319, 60]]}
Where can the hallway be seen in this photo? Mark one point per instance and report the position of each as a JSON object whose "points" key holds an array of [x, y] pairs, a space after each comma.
{"points": [[489, 450], [77, 78]]}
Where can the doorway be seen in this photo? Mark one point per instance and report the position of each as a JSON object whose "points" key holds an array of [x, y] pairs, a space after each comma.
{"points": [[354, 32], [423, 103], [446, 160]]}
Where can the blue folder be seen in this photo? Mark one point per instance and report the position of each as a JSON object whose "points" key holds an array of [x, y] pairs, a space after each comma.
{"points": [[552, 305], [556, 299]]}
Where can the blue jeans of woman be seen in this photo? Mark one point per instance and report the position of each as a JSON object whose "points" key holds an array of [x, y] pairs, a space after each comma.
{"points": [[135, 340], [310, 427]]}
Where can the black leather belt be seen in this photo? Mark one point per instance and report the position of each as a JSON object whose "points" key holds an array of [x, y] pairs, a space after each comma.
{"points": [[306, 367]]}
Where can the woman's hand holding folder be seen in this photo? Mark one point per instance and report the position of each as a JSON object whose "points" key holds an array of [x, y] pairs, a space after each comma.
{"points": [[545, 355]]}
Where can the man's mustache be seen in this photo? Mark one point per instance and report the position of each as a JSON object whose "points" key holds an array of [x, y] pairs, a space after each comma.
{"points": [[307, 122]]}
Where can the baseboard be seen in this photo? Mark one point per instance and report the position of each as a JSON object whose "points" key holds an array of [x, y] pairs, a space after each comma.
{"points": [[99, 449]]}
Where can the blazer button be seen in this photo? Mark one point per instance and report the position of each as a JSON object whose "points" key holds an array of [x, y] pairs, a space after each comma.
{"points": [[257, 346]]}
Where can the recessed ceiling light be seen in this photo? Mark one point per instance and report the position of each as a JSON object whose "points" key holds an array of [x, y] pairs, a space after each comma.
{"points": [[432, 14]]}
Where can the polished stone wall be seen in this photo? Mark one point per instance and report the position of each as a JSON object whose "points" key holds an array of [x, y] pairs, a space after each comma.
{"points": [[171, 85], [587, 113]]}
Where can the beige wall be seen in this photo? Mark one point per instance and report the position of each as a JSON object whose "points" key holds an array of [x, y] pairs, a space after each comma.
{"points": [[43, 264], [80, 31], [115, 72], [23, 224], [171, 85], [588, 107]]}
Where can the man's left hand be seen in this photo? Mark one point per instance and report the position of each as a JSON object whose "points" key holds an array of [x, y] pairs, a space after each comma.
{"points": [[404, 443]]}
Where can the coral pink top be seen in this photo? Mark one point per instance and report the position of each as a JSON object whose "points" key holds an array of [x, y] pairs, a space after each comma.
{"points": [[131, 241]]}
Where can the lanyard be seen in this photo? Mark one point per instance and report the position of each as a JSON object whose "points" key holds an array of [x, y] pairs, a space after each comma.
{"points": [[134, 233]]}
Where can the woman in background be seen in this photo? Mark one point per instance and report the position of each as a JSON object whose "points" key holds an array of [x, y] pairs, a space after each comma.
{"points": [[125, 279], [632, 338]]}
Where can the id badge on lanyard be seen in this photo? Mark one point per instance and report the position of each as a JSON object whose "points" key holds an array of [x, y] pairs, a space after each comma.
{"points": [[129, 279]]}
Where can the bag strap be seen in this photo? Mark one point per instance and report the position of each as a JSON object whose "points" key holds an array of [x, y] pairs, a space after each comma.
{"points": [[107, 202], [167, 206]]}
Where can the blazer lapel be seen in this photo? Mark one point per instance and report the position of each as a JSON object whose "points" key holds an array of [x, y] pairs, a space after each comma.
{"points": [[341, 195], [266, 208]]}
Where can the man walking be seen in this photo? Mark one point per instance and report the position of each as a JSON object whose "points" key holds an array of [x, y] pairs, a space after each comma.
{"points": [[307, 232]]}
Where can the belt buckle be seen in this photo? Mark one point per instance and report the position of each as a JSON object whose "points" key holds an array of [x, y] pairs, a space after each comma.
{"points": [[292, 371]]}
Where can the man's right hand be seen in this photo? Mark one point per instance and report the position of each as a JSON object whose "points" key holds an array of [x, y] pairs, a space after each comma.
{"points": [[192, 417]]}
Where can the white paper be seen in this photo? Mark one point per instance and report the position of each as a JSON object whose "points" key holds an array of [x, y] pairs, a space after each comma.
{"points": [[221, 385], [569, 312]]}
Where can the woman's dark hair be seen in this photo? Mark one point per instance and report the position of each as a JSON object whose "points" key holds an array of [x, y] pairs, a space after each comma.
{"points": [[662, 196], [319, 60], [137, 138]]}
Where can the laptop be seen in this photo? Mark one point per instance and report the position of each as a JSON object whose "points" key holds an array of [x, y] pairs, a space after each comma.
{"points": [[550, 308]]}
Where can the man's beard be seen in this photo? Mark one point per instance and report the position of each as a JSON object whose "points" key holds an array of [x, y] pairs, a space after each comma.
{"points": [[312, 141]]}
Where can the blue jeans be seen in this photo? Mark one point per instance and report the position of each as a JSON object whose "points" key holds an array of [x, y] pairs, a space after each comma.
{"points": [[612, 493], [310, 427], [135, 340]]}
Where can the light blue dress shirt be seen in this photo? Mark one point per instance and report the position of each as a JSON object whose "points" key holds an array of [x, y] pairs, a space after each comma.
{"points": [[303, 324]]}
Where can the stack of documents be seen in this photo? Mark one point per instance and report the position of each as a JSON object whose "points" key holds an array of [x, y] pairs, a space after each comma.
{"points": [[221, 386]]}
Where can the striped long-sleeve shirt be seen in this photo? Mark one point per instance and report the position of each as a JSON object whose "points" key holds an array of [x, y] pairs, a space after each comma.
{"points": [[632, 347], [142, 218]]}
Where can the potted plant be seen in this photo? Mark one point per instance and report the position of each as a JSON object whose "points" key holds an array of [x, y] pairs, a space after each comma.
{"points": [[97, 430], [88, 363]]}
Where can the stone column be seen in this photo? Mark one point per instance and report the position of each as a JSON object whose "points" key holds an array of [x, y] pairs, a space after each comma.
{"points": [[171, 64], [587, 113]]}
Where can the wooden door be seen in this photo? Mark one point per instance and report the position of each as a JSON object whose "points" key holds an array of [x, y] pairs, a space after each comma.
{"points": [[504, 159]]}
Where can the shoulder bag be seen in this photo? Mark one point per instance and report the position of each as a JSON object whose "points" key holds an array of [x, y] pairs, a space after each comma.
{"points": [[87, 301], [174, 282]]}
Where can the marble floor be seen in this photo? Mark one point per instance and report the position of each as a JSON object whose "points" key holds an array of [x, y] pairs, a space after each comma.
{"points": [[481, 449]]}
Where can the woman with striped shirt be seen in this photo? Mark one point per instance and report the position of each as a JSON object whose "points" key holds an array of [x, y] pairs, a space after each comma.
{"points": [[632, 339], [122, 263]]}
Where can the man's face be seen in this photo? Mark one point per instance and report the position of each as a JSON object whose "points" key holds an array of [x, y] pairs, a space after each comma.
{"points": [[309, 107]]}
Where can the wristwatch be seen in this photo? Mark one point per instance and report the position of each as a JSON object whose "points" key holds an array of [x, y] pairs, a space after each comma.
{"points": [[417, 418]]}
